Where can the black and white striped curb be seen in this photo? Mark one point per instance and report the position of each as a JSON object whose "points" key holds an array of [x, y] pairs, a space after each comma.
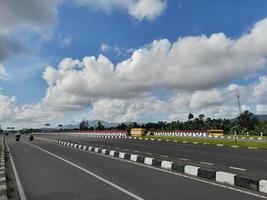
{"points": [[201, 134], [185, 142], [3, 186], [96, 135], [210, 174]]}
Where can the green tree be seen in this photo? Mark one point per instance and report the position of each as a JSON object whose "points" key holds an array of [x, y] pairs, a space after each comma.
{"points": [[247, 120], [190, 116], [121, 126], [83, 125], [99, 126]]}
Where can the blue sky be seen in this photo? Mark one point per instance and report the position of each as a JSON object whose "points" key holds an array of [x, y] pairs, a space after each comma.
{"points": [[79, 29]]}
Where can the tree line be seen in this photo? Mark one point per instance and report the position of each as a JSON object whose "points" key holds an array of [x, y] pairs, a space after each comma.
{"points": [[245, 122]]}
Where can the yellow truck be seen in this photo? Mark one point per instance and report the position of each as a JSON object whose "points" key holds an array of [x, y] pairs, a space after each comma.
{"points": [[215, 132]]}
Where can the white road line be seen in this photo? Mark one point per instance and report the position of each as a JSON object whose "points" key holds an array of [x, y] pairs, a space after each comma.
{"points": [[206, 163], [237, 168], [19, 185], [149, 153], [179, 174], [89, 172], [182, 159], [136, 151], [164, 156]]}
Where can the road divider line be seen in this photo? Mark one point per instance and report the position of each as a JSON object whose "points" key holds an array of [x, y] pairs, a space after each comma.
{"points": [[206, 163], [237, 168], [88, 172]]}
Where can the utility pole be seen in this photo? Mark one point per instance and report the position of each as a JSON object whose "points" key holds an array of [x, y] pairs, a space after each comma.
{"points": [[238, 101]]}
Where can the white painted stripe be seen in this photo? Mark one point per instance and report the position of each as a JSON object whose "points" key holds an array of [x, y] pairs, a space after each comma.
{"points": [[263, 186], [103, 151], [3, 178], [206, 163], [166, 164], [84, 147], [220, 145], [234, 146], [225, 177], [18, 182], [133, 157], [111, 153], [184, 159], [164, 156], [3, 187], [90, 173], [121, 155], [237, 168], [191, 170], [96, 150], [252, 147], [148, 161]]}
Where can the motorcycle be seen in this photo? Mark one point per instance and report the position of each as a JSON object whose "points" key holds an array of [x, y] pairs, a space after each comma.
{"points": [[17, 137]]}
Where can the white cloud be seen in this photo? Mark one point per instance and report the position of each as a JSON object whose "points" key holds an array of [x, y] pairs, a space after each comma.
{"points": [[12, 113], [23, 19], [206, 98], [229, 112], [139, 9], [3, 74], [261, 109], [119, 51], [64, 41], [105, 47], [142, 108], [190, 63], [260, 89]]}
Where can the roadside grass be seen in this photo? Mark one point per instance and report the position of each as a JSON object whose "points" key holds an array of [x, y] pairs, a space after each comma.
{"points": [[245, 144]]}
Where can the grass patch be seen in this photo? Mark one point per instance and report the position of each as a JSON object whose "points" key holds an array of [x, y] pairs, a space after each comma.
{"points": [[245, 144]]}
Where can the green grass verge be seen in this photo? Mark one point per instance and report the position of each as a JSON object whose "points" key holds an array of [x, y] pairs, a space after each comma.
{"points": [[245, 144]]}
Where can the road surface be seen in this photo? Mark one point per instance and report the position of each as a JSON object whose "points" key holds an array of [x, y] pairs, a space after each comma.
{"points": [[250, 160], [50, 171]]}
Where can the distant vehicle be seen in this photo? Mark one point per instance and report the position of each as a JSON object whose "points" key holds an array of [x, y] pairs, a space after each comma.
{"points": [[17, 137]]}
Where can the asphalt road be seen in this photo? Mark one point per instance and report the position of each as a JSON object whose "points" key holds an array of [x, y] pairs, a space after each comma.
{"points": [[50, 171], [252, 161]]}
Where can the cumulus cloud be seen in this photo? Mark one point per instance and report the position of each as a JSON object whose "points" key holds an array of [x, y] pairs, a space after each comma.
{"points": [[28, 17], [3, 74], [261, 109], [260, 90], [139, 9], [190, 63], [142, 108], [229, 112], [12, 112]]}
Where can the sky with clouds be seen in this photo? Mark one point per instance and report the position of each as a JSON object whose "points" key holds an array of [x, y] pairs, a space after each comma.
{"points": [[62, 61]]}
